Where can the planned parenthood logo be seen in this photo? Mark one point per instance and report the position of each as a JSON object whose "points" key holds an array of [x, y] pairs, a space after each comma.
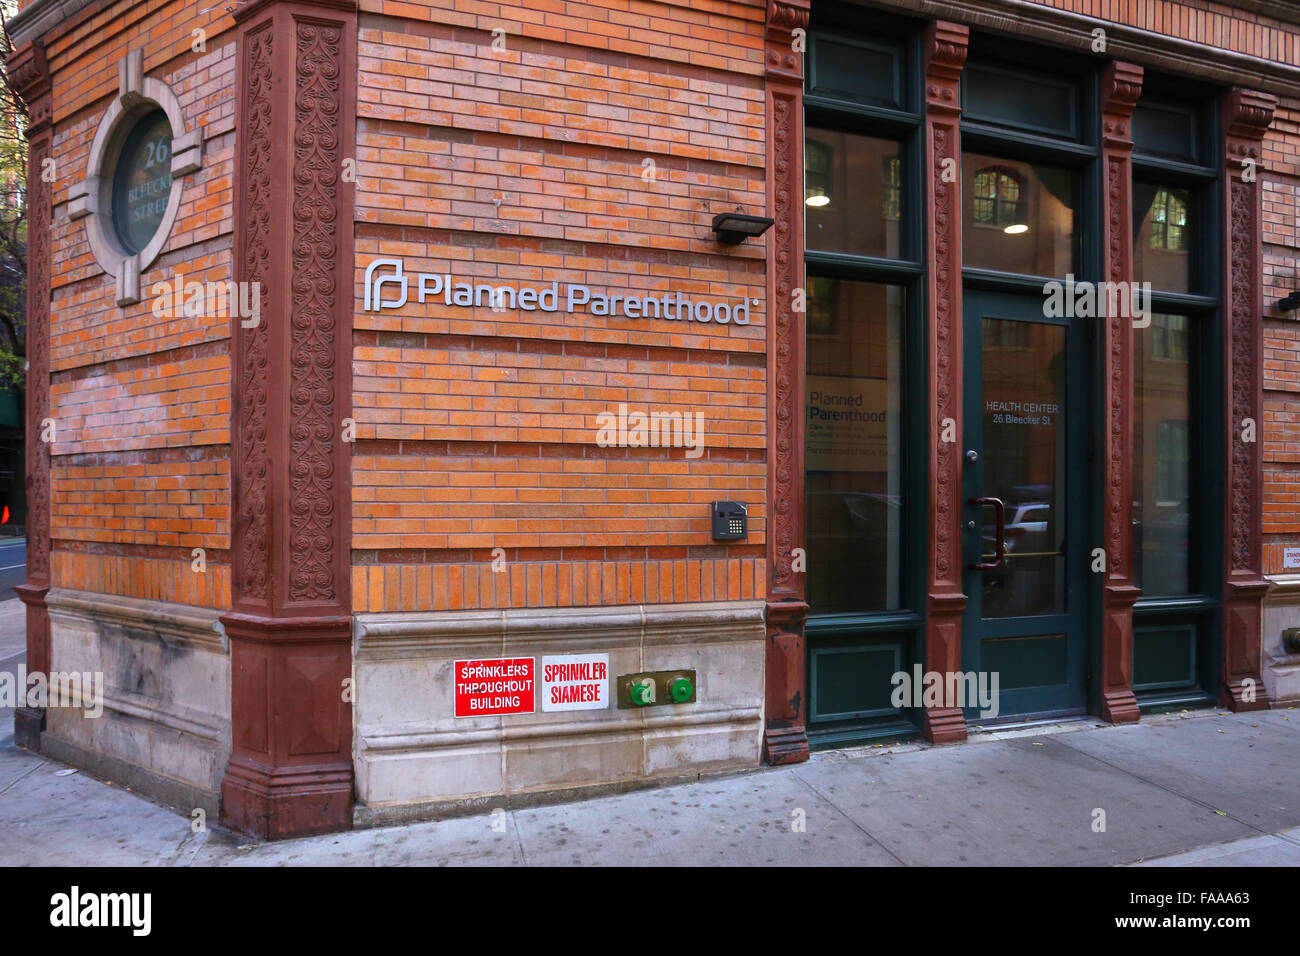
{"points": [[389, 286]]}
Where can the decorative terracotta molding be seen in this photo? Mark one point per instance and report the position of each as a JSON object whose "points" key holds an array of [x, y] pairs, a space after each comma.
{"points": [[785, 739], [945, 47], [30, 75], [783, 18], [38, 17], [1246, 117], [251, 554], [290, 771], [1121, 86]]}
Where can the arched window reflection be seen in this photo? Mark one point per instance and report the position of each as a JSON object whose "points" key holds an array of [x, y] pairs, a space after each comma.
{"points": [[1168, 220], [999, 197]]}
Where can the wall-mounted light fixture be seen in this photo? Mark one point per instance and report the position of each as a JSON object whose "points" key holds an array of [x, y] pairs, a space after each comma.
{"points": [[1290, 303], [734, 227]]}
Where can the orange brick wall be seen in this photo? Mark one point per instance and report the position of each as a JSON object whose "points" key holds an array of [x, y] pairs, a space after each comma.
{"points": [[140, 473], [1281, 427], [477, 430], [528, 166]]}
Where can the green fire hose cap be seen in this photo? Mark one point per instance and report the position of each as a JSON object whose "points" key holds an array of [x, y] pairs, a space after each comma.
{"points": [[642, 692], [681, 689]]}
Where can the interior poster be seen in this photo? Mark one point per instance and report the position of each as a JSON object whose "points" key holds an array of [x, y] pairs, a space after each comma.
{"points": [[847, 424]]}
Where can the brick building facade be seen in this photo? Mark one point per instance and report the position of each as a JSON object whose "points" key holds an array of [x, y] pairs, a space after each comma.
{"points": [[277, 534]]}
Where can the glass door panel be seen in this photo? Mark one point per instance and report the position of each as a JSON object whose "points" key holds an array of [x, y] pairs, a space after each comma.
{"points": [[1026, 491], [1024, 466]]}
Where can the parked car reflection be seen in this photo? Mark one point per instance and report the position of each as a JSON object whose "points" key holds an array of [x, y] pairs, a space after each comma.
{"points": [[1163, 543], [853, 547], [1028, 581]]}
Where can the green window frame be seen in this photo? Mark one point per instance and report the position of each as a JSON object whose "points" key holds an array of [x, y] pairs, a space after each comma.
{"points": [[1177, 619], [896, 632]]}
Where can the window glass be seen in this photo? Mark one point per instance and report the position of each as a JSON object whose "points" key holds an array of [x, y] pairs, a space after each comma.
{"points": [[1165, 130], [853, 193], [853, 445], [1025, 427], [142, 182], [1017, 216], [1162, 457], [866, 72], [1163, 235], [1029, 101]]}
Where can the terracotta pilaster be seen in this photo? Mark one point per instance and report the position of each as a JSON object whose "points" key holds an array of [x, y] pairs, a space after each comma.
{"points": [[290, 771], [29, 73], [945, 55], [785, 739], [1246, 117], [1121, 86]]}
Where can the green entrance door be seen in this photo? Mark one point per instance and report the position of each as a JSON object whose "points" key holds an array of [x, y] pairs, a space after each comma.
{"points": [[1024, 523]]}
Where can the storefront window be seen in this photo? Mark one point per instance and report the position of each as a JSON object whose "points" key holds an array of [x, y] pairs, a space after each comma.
{"points": [[1162, 236], [1162, 436], [853, 195], [853, 445], [1018, 216]]}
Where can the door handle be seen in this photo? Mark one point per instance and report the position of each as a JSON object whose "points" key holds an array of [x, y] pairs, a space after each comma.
{"points": [[1000, 526]]}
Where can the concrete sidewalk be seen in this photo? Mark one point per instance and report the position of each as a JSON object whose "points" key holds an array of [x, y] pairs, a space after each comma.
{"points": [[1186, 789]]}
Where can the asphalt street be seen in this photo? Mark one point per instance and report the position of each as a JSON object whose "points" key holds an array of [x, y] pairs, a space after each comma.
{"points": [[13, 565]]}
